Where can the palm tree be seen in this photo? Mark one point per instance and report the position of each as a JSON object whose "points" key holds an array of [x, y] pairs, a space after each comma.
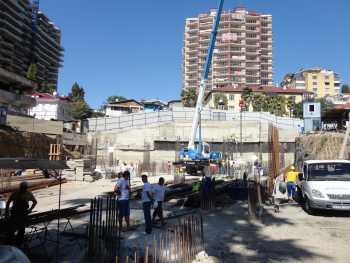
{"points": [[290, 105], [258, 100], [247, 95], [189, 97]]}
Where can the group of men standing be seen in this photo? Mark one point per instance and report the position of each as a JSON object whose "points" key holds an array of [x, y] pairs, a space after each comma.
{"points": [[151, 196]]}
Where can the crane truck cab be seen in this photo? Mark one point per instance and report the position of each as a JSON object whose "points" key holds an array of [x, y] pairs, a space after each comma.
{"points": [[325, 184]]}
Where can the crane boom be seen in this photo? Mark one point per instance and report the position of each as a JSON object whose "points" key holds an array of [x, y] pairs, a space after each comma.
{"points": [[203, 83]]}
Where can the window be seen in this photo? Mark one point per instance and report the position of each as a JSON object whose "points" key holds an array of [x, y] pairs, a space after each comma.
{"points": [[327, 83], [326, 77], [232, 97], [314, 83], [314, 77], [311, 108]]}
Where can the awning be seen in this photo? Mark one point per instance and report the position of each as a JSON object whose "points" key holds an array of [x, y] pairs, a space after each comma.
{"points": [[25, 163]]}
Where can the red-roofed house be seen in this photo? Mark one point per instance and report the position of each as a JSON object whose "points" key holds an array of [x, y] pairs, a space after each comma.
{"points": [[234, 95], [51, 107]]}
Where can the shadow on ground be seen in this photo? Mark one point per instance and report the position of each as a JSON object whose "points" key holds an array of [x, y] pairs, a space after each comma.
{"points": [[231, 236]]}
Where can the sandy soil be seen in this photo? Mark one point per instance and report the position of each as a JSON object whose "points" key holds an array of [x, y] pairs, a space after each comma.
{"points": [[289, 236]]}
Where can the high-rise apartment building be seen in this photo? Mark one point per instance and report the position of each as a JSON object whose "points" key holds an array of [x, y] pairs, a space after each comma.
{"points": [[242, 54], [321, 82], [18, 49]]}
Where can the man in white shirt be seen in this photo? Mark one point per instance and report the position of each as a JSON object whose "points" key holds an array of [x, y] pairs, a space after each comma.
{"points": [[147, 199], [159, 194], [122, 188], [117, 183]]}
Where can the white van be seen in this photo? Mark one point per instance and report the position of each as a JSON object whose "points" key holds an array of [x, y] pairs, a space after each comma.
{"points": [[325, 184]]}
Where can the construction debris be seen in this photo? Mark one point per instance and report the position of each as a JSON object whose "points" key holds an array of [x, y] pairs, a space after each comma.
{"points": [[202, 257]]}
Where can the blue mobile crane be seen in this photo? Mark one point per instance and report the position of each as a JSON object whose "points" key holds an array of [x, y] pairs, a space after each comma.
{"points": [[196, 157]]}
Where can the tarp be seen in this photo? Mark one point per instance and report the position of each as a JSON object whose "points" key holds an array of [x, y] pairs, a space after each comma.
{"points": [[24, 163]]}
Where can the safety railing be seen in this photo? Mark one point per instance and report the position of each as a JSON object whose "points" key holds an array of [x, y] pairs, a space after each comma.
{"points": [[144, 119]]}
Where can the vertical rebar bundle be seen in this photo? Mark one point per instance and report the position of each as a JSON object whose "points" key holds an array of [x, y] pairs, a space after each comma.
{"points": [[274, 156], [180, 243], [103, 231]]}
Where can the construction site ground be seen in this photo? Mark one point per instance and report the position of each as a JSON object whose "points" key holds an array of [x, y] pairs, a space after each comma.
{"points": [[230, 234]]}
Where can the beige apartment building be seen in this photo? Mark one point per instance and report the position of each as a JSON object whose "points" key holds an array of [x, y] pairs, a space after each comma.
{"points": [[242, 54], [321, 82]]}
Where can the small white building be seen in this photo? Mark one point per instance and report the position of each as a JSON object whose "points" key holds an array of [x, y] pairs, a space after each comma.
{"points": [[51, 107], [118, 108]]}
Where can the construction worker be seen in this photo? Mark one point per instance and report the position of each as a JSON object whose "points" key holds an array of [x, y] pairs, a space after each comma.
{"points": [[147, 200], [291, 179], [122, 190], [19, 212], [159, 194]]}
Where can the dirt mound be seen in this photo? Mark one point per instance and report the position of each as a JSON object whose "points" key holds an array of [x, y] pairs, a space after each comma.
{"points": [[24, 144], [319, 146]]}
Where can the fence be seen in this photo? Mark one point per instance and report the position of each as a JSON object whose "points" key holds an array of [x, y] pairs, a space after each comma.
{"points": [[143, 119], [103, 232]]}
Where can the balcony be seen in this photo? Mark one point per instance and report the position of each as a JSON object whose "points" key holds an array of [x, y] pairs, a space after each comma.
{"points": [[252, 45], [191, 30], [252, 53], [266, 40], [252, 67]]}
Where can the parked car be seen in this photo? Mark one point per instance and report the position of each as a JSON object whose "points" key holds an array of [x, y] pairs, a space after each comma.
{"points": [[325, 184]]}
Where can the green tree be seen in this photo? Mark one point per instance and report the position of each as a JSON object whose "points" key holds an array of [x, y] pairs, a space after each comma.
{"points": [[275, 105], [345, 88], [258, 100], [326, 105], [220, 100], [112, 99], [290, 105], [77, 93], [298, 110], [32, 72], [247, 95], [280, 105], [81, 110], [46, 88], [189, 97]]}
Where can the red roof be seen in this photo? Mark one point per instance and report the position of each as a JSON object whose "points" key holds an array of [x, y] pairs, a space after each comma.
{"points": [[260, 88], [48, 96], [345, 106]]}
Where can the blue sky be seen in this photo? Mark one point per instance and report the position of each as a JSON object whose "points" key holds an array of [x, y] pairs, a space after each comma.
{"points": [[133, 48]]}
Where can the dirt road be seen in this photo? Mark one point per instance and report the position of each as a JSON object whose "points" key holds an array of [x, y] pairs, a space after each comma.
{"points": [[289, 236]]}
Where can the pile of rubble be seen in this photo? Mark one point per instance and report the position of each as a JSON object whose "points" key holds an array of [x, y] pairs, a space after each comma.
{"points": [[202, 257]]}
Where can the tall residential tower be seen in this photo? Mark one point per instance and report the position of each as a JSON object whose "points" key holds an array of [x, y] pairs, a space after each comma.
{"points": [[243, 49], [18, 50]]}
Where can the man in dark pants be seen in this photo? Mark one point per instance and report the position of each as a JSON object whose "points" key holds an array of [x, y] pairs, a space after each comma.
{"points": [[159, 193], [147, 199], [19, 212]]}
